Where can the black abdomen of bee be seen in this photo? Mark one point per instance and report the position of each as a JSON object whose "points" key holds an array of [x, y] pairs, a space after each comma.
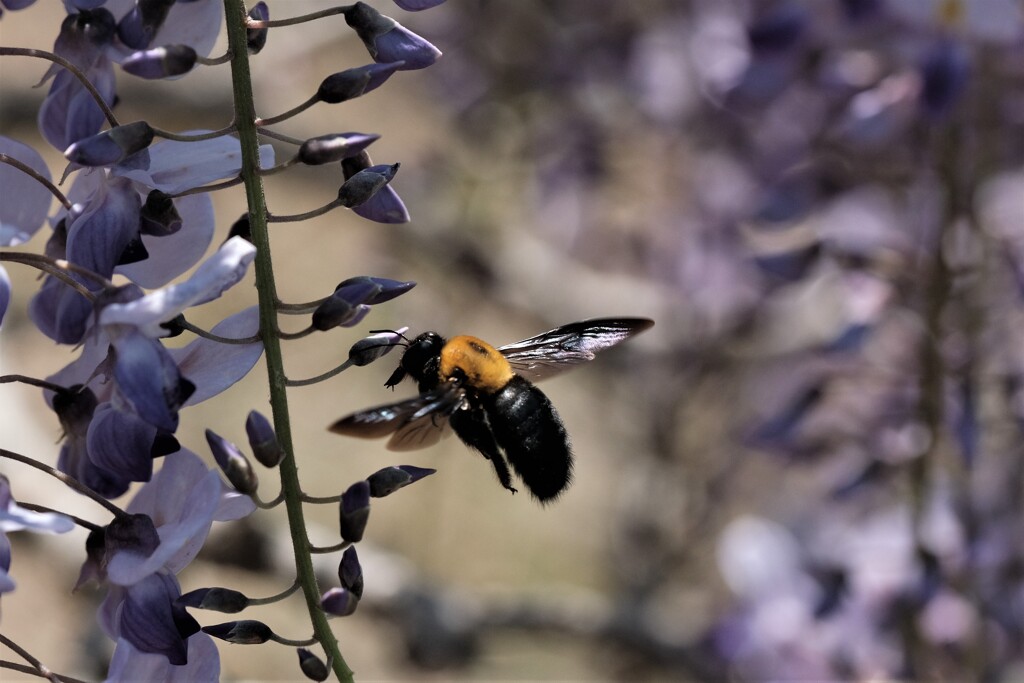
{"points": [[528, 429]]}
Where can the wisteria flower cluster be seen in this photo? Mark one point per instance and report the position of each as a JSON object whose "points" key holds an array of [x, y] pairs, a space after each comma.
{"points": [[134, 216]]}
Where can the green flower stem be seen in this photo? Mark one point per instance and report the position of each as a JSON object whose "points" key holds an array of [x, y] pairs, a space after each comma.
{"points": [[245, 119]]}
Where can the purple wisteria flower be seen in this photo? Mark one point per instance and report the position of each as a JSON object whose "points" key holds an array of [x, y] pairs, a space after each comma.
{"points": [[136, 386], [13, 517], [167, 523], [387, 41]]}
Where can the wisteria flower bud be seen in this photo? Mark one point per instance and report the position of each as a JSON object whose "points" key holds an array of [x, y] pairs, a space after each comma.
{"points": [[256, 38], [369, 349], [339, 602], [417, 5], [383, 207], [352, 83], [354, 511], [352, 298], [263, 440], [110, 146], [359, 188], [216, 599], [312, 666], [234, 465], [327, 149], [388, 41], [350, 573], [159, 217], [390, 479], [242, 632], [160, 62]]}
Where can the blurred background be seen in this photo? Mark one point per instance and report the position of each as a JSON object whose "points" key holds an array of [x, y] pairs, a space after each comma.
{"points": [[809, 469]]}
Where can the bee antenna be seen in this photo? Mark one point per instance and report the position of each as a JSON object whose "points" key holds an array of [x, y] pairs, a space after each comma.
{"points": [[394, 332]]}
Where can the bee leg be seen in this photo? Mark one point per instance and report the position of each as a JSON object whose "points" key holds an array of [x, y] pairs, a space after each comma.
{"points": [[472, 428]]}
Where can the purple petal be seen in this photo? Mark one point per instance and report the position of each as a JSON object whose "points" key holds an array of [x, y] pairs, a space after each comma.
{"points": [[69, 113], [219, 272], [149, 379], [26, 202], [151, 622], [98, 237], [121, 442], [172, 255], [385, 206], [212, 366], [60, 312], [402, 45]]}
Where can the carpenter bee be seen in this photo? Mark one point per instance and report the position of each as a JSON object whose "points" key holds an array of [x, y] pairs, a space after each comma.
{"points": [[487, 397]]}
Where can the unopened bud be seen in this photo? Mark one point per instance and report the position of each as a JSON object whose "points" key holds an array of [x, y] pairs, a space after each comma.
{"points": [[160, 62], [390, 479], [351, 83], [354, 511], [369, 349], [366, 183], [350, 572], [110, 146], [327, 149], [263, 440], [339, 601], [216, 599], [256, 38], [312, 666], [234, 465], [243, 632]]}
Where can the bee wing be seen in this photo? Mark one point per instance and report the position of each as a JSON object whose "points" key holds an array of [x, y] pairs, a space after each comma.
{"points": [[414, 423], [567, 346]]}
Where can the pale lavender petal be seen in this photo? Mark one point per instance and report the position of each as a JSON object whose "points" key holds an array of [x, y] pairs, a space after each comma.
{"points": [[196, 24], [212, 366], [129, 664], [16, 518], [172, 255], [180, 540], [26, 202], [219, 272], [175, 166]]}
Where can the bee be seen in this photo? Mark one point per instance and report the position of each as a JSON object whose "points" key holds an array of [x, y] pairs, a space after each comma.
{"points": [[487, 397]]}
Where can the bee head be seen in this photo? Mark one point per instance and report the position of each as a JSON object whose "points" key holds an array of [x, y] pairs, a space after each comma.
{"points": [[420, 359]]}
